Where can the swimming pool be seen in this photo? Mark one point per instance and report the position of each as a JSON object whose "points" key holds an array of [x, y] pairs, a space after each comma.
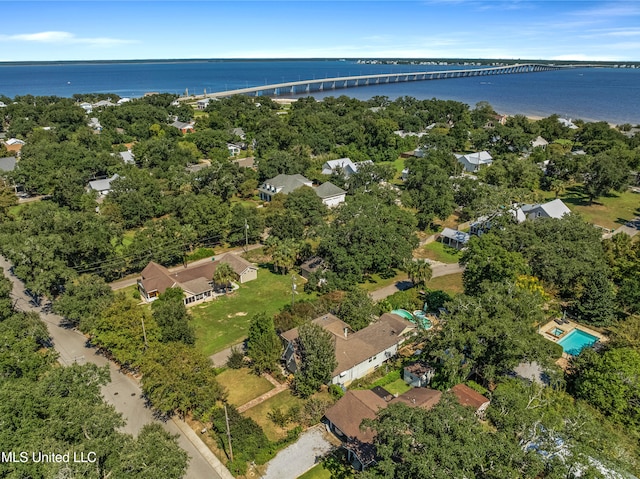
{"points": [[403, 313], [576, 341]]}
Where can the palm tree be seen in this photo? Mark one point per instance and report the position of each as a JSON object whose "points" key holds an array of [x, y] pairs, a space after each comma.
{"points": [[419, 272], [223, 275]]}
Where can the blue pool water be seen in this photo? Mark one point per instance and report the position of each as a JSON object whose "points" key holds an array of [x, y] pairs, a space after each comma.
{"points": [[403, 313], [576, 341]]}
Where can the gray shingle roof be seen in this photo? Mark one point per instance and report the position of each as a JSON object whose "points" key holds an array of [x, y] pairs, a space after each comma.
{"points": [[8, 163], [328, 189]]}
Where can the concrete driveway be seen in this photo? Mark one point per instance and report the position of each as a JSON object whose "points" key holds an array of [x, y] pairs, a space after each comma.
{"points": [[299, 457]]}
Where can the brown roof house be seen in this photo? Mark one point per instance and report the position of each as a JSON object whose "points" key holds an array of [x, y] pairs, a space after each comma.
{"points": [[346, 415], [196, 281], [359, 353], [470, 398]]}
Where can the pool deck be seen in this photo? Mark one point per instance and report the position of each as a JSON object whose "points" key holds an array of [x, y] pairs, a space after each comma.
{"points": [[567, 326]]}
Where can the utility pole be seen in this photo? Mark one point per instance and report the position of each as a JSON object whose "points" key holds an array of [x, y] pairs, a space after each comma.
{"points": [[226, 418], [246, 236], [293, 289], [144, 333]]}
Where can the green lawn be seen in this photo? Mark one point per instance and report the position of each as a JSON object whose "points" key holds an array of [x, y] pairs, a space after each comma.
{"points": [[397, 387], [451, 283], [284, 401], [243, 385], [609, 211], [440, 252], [316, 472], [224, 322], [375, 281]]}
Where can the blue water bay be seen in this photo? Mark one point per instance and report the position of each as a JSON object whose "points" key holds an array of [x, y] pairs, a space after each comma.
{"points": [[609, 94]]}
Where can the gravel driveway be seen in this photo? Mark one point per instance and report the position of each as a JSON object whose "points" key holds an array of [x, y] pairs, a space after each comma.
{"points": [[301, 456]]}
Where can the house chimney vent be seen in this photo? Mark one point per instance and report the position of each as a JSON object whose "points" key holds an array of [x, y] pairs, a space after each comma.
{"points": [[346, 332]]}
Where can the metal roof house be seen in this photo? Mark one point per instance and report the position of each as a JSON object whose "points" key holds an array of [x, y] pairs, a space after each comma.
{"points": [[454, 238], [472, 162], [553, 209], [103, 186]]}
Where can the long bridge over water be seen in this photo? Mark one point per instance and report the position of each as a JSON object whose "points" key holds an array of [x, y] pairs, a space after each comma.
{"points": [[319, 85]]}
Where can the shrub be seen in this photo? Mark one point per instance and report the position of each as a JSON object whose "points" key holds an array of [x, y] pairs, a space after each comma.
{"points": [[336, 391], [236, 358]]}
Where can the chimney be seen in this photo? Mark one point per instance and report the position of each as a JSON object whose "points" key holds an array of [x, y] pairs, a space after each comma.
{"points": [[346, 332]]}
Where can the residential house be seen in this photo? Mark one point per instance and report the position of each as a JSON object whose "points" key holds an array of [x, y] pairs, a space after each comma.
{"points": [[472, 162], [470, 398], [103, 186], [418, 374], [103, 104], [311, 266], [184, 127], [234, 150], [95, 125], [87, 107], [553, 209], [454, 238], [249, 162], [284, 184], [344, 166], [14, 145], [346, 415], [2, 105], [539, 142], [195, 281], [127, 157], [359, 353], [330, 194], [8, 164], [203, 104], [123, 100], [568, 123]]}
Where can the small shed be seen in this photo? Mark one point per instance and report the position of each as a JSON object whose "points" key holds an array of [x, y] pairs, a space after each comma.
{"points": [[418, 374]]}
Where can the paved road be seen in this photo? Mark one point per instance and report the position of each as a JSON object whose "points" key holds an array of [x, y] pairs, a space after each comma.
{"points": [[125, 283], [439, 269], [299, 457], [123, 392]]}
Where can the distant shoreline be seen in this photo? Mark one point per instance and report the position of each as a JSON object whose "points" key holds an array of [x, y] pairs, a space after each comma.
{"points": [[401, 61]]}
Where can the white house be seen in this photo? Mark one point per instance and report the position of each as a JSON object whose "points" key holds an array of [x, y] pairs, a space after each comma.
{"points": [[330, 194], [127, 157], [539, 142], [359, 353], [103, 186], [553, 209], [472, 162], [344, 165]]}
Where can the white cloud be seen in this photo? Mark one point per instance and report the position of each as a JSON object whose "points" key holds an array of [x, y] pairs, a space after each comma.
{"points": [[55, 37]]}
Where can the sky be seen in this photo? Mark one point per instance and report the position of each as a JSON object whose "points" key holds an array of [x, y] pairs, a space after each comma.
{"points": [[507, 29]]}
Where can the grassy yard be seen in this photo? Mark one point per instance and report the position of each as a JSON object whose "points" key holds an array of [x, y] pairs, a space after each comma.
{"points": [[283, 401], [609, 211], [451, 283], [225, 321], [375, 281], [243, 385], [316, 472], [439, 252], [397, 387]]}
